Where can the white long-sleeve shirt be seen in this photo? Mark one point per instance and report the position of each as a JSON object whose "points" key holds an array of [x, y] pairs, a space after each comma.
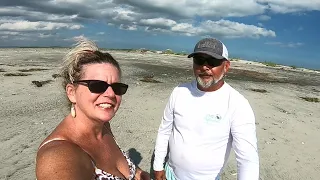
{"points": [[200, 129]]}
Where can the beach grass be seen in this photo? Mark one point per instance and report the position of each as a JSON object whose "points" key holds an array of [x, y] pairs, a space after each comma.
{"points": [[41, 83], [17, 74], [258, 90], [56, 75], [310, 99], [32, 69], [149, 79], [271, 64]]}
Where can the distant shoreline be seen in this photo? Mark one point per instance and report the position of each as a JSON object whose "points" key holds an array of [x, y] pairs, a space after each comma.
{"points": [[169, 51]]}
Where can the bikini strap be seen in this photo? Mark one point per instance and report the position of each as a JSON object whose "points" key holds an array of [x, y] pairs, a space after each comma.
{"points": [[50, 140]]}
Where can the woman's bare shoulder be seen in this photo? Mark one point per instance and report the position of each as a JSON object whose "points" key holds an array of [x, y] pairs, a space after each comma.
{"points": [[62, 159]]}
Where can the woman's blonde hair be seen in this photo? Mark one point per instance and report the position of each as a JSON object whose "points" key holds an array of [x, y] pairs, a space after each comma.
{"points": [[85, 52]]}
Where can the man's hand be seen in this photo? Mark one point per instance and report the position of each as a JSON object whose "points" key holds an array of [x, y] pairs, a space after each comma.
{"points": [[160, 175], [145, 176], [142, 175]]}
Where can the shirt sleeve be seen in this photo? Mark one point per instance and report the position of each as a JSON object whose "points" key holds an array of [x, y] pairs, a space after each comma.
{"points": [[164, 132], [243, 130]]}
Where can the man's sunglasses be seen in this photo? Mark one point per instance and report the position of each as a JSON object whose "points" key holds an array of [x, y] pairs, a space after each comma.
{"points": [[210, 61], [98, 87]]}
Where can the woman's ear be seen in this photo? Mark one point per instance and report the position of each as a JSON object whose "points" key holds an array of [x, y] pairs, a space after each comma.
{"points": [[71, 92]]}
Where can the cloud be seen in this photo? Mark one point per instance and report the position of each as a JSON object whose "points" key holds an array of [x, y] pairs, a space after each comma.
{"points": [[158, 22], [9, 33], [191, 8], [26, 14], [128, 27], [264, 18], [36, 18], [284, 6], [121, 14], [45, 35], [152, 16], [222, 28], [287, 45], [36, 26], [234, 29], [74, 38]]}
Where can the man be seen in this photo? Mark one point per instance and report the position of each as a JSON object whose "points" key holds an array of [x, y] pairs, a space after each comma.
{"points": [[203, 120]]}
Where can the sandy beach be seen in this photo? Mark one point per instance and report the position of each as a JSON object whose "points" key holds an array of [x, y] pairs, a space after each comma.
{"points": [[288, 125]]}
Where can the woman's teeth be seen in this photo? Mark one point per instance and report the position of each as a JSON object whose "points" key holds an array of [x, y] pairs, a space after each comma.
{"points": [[105, 105]]}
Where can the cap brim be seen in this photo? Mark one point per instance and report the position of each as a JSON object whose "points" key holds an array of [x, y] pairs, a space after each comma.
{"points": [[214, 55]]}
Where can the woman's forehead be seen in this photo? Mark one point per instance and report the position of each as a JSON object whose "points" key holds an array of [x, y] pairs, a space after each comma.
{"points": [[100, 69]]}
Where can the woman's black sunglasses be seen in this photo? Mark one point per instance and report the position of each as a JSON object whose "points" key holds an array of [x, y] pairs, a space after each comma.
{"points": [[210, 61], [98, 87]]}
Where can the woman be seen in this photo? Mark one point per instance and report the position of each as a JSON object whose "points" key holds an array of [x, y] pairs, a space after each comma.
{"points": [[82, 146]]}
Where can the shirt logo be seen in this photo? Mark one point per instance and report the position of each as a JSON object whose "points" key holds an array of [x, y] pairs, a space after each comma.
{"points": [[211, 118]]}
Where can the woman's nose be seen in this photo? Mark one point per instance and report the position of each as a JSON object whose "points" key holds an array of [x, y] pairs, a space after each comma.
{"points": [[109, 92]]}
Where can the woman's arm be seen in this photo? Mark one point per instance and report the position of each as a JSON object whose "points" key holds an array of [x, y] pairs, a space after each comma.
{"points": [[62, 160]]}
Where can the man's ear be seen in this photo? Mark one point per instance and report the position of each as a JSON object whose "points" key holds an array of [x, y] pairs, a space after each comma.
{"points": [[226, 66], [71, 92]]}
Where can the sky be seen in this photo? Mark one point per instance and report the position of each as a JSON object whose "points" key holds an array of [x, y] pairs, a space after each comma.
{"points": [[280, 31]]}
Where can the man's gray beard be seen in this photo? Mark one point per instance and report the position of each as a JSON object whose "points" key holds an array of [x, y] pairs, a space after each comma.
{"points": [[210, 83]]}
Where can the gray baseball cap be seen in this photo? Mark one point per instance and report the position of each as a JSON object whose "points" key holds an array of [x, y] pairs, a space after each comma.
{"points": [[212, 47]]}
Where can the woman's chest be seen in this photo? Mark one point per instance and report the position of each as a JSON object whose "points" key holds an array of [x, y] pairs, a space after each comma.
{"points": [[109, 158]]}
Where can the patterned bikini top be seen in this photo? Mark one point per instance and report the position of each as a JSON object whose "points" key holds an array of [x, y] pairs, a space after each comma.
{"points": [[101, 174]]}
